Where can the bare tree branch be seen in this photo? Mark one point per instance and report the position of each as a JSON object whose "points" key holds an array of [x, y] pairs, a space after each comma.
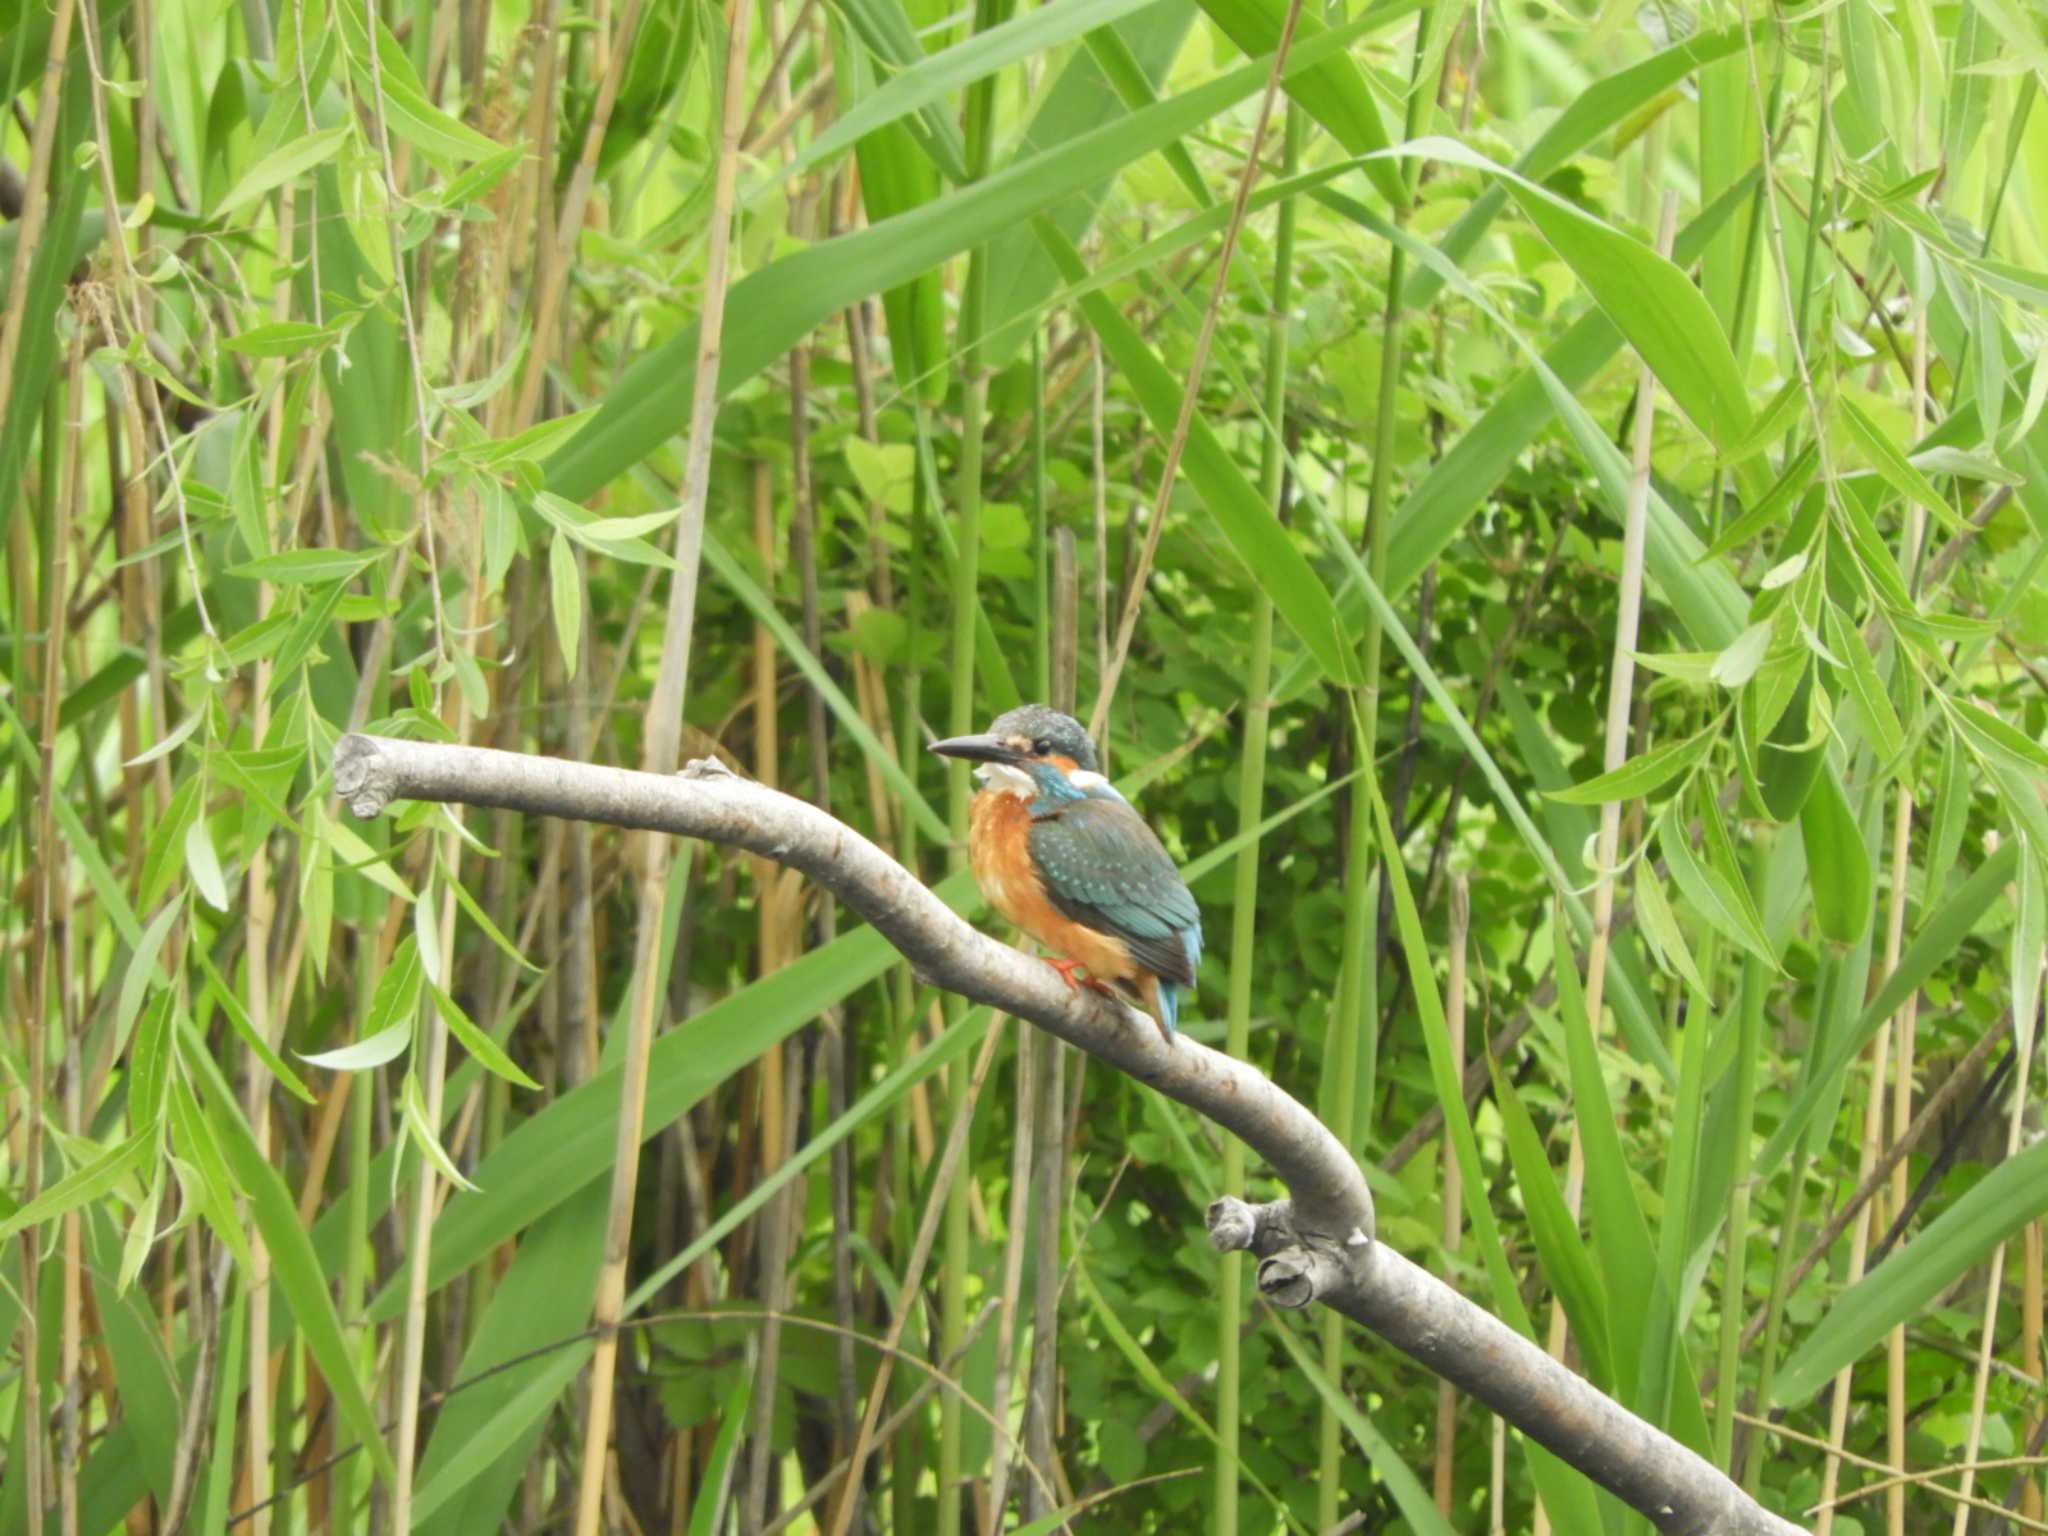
{"points": [[1315, 1246]]}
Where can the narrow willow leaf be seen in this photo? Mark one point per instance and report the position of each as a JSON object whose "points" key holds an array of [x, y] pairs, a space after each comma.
{"points": [[372, 1051], [203, 864], [288, 162], [1661, 926], [1837, 862], [565, 588], [388, 1024], [140, 1238], [212, 1191], [1642, 774], [2029, 940], [141, 973], [281, 338], [1883, 455], [480, 1045], [361, 859], [1993, 735], [426, 932], [1997, 1206], [482, 919], [423, 1136], [1707, 888], [223, 997], [89, 1182], [1874, 712], [172, 740], [1737, 663], [407, 109], [307, 567]]}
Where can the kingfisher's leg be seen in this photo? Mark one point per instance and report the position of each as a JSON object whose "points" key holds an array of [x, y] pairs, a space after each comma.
{"points": [[1066, 968]]}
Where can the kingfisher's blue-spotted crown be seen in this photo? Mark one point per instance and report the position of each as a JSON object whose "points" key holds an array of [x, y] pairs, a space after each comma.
{"points": [[1048, 734]]}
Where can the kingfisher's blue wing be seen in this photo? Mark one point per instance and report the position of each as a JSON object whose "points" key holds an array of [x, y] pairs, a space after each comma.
{"points": [[1104, 869]]}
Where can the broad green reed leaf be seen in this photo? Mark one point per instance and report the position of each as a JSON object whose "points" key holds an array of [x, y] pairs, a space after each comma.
{"points": [[932, 78], [1268, 550], [890, 39], [546, 1159], [1649, 299], [772, 309], [1334, 92], [2004, 1200], [1567, 1265], [1594, 111], [483, 1438]]}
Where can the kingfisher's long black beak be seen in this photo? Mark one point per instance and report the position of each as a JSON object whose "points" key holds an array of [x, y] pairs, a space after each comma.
{"points": [[976, 749]]}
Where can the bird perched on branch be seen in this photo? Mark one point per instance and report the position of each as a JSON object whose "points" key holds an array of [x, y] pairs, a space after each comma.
{"points": [[1062, 855]]}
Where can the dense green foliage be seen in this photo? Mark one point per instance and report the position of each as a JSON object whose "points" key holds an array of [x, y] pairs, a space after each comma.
{"points": [[347, 372]]}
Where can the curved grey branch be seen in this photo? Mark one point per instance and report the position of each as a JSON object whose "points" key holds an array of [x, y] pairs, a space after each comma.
{"points": [[1317, 1244]]}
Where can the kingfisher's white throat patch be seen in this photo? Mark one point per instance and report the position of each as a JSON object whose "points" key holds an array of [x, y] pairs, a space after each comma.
{"points": [[1005, 780]]}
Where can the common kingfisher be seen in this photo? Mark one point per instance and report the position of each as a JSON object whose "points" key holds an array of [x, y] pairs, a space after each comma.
{"points": [[1062, 855]]}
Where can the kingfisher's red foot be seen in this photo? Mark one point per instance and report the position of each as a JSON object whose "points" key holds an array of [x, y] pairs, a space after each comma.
{"points": [[1066, 968]]}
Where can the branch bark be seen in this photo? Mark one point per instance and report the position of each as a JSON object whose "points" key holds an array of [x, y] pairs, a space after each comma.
{"points": [[1317, 1245]]}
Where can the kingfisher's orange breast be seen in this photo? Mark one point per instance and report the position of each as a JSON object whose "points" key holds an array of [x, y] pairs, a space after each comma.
{"points": [[999, 850]]}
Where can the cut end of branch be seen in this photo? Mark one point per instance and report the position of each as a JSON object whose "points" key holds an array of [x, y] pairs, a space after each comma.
{"points": [[361, 776]]}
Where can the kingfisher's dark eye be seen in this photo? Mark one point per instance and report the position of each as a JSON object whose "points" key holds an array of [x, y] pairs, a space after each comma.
{"points": [[1042, 747]]}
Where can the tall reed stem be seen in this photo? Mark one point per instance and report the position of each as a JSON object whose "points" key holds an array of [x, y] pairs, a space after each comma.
{"points": [[1251, 796]]}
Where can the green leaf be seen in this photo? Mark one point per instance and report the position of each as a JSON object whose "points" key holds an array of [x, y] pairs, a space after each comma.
{"points": [[84, 1184], [773, 308], [744, 587], [1941, 934], [407, 109], [1267, 549], [288, 162], [1837, 862], [307, 567], [1641, 774], [1906, 1284], [1893, 467], [203, 864], [280, 338], [480, 1045], [295, 1267], [1334, 92], [1664, 317]]}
